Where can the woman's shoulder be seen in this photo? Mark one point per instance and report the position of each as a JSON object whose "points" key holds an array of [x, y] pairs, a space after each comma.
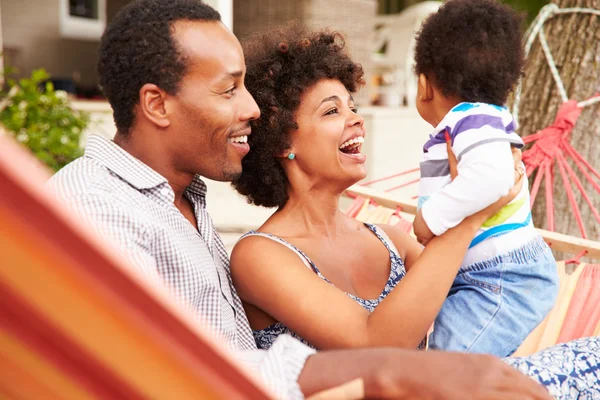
{"points": [[261, 249], [253, 241], [260, 260]]}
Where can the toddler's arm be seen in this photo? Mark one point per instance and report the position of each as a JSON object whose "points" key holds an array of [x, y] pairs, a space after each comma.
{"points": [[485, 173]]}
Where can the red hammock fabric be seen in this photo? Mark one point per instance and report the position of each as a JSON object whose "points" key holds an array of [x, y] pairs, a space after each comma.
{"points": [[550, 140], [550, 146], [583, 315]]}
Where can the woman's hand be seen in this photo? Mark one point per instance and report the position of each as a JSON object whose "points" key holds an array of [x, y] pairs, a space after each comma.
{"points": [[491, 210], [516, 153], [421, 230]]}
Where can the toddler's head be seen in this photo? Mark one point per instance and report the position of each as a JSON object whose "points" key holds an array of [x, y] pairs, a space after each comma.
{"points": [[469, 50]]}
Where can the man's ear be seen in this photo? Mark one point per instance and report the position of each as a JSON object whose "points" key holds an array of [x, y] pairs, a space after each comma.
{"points": [[152, 105], [426, 88]]}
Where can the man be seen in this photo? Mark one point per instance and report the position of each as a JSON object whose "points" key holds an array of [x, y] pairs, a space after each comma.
{"points": [[174, 76]]}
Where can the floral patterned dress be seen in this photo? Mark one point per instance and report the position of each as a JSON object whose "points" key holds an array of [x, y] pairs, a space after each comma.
{"points": [[570, 371], [267, 336]]}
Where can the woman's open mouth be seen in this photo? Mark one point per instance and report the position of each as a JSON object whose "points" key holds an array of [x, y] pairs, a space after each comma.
{"points": [[352, 148]]}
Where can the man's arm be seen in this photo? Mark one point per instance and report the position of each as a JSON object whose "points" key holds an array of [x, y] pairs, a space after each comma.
{"points": [[389, 373], [292, 370], [280, 366], [119, 226]]}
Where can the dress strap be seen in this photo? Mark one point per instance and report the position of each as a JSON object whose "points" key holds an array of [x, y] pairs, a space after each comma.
{"points": [[290, 246], [385, 239]]}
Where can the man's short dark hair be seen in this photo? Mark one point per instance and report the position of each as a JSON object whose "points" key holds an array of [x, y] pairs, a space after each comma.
{"points": [[138, 48], [472, 49]]}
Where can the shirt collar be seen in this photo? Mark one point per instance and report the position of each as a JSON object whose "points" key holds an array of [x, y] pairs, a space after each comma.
{"points": [[129, 168], [464, 109], [123, 164], [197, 190]]}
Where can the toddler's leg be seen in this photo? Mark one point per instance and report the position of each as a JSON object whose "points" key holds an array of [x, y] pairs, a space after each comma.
{"points": [[492, 308], [468, 311]]}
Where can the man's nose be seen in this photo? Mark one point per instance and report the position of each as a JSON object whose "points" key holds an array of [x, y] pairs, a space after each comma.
{"points": [[250, 108]]}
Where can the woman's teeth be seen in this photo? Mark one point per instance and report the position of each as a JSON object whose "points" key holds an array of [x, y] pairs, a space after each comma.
{"points": [[238, 139], [356, 140]]}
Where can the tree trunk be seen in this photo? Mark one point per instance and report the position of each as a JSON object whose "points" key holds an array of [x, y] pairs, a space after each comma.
{"points": [[574, 40]]}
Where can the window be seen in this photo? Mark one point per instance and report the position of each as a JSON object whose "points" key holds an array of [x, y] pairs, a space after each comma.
{"points": [[83, 8], [82, 19], [394, 6]]}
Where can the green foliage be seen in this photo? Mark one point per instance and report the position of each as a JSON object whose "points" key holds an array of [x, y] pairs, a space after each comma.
{"points": [[530, 7], [42, 120]]}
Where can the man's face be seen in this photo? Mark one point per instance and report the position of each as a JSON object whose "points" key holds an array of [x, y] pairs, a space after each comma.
{"points": [[212, 109]]}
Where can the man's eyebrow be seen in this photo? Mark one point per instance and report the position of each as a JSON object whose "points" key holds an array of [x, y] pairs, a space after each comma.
{"points": [[229, 75], [236, 74]]}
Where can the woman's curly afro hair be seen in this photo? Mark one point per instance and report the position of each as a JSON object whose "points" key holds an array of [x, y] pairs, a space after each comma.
{"points": [[472, 49], [281, 65]]}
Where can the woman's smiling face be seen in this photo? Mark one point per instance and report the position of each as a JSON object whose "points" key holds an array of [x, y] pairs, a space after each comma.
{"points": [[330, 134]]}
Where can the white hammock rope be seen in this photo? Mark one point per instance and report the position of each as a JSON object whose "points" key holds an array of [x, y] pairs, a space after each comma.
{"points": [[536, 30]]}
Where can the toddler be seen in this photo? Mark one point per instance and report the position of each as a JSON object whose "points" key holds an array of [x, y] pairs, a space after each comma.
{"points": [[468, 58]]}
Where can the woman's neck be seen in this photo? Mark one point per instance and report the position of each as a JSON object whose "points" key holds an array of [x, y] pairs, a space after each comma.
{"points": [[313, 212]]}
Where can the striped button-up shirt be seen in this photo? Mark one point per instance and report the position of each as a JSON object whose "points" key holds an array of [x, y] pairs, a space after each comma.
{"points": [[132, 206]]}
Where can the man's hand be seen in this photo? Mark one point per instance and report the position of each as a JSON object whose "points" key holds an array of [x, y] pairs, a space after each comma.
{"points": [[403, 374], [453, 376], [422, 232]]}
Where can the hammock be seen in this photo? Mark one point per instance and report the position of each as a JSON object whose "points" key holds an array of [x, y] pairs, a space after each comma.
{"points": [[78, 323], [576, 313]]}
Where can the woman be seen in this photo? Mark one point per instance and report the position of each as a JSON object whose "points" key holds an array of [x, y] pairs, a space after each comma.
{"points": [[310, 270]]}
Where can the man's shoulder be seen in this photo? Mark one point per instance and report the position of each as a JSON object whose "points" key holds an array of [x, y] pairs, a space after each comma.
{"points": [[86, 177], [93, 192], [87, 185]]}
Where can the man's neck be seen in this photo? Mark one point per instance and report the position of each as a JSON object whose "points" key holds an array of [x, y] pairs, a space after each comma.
{"points": [[152, 153]]}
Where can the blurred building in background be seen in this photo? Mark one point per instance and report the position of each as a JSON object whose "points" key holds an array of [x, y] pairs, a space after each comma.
{"points": [[62, 36]]}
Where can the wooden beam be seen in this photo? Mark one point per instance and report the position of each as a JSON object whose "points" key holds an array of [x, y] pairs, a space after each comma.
{"points": [[384, 199], [558, 241], [571, 244]]}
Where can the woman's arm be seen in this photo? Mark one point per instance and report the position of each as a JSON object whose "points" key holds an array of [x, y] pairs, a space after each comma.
{"points": [[408, 248], [274, 279]]}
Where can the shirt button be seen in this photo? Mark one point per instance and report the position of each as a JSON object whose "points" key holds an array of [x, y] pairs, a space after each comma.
{"points": [[164, 191]]}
